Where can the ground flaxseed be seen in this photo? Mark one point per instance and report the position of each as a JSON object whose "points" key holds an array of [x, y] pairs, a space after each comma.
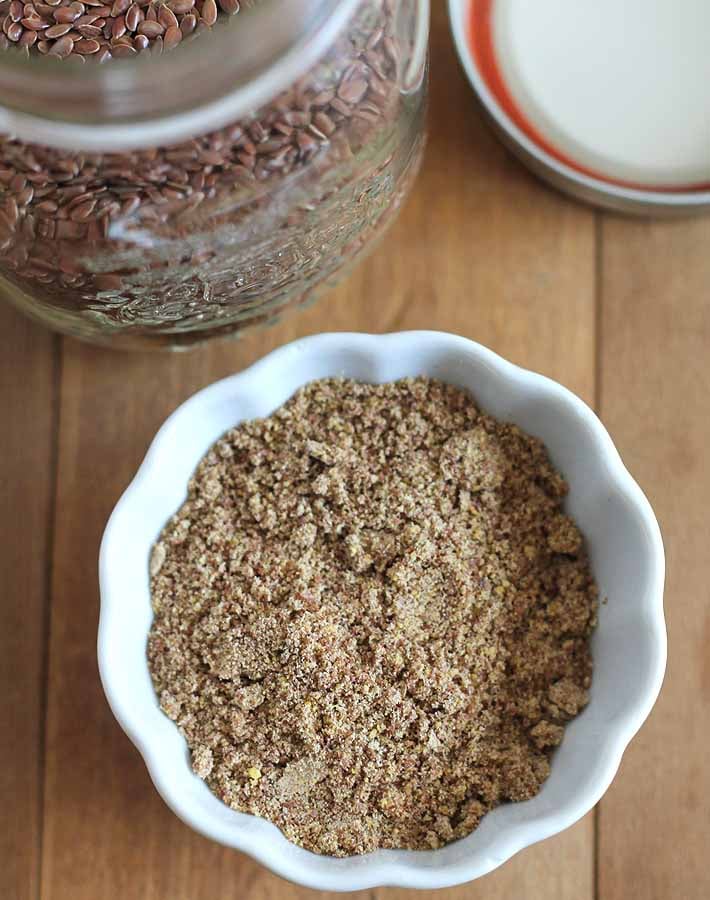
{"points": [[372, 617]]}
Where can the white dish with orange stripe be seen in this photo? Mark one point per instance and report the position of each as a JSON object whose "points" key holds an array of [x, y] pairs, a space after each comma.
{"points": [[607, 101]]}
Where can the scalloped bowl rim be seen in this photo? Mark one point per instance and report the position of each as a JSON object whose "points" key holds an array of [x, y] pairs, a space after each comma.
{"points": [[315, 357]]}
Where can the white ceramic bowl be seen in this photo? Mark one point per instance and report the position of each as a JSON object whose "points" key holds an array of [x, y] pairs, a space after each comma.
{"points": [[629, 645]]}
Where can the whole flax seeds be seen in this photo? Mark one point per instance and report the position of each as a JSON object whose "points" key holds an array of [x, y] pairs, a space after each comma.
{"points": [[204, 230], [98, 31], [372, 617]]}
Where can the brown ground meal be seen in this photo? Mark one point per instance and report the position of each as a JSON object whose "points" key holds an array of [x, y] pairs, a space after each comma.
{"points": [[372, 617]]}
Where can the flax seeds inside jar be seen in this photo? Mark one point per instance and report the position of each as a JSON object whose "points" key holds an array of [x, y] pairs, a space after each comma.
{"points": [[173, 171]]}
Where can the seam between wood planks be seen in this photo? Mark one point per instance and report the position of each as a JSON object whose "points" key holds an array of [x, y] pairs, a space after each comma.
{"points": [[57, 358]]}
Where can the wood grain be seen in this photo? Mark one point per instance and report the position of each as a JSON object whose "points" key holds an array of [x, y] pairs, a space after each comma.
{"points": [[26, 478], [481, 249], [655, 399]]}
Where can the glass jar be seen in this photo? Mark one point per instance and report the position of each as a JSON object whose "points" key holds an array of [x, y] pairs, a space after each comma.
{"points": [[173, 197]]}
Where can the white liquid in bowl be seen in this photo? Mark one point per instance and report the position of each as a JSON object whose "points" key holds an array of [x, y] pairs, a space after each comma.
{"points": [[622, 87]]}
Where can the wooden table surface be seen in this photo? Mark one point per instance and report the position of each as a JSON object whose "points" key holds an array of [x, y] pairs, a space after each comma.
{"points": [[616, 309]]}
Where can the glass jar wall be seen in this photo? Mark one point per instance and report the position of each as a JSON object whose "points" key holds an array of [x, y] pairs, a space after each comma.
{"points": [[152, 205]]}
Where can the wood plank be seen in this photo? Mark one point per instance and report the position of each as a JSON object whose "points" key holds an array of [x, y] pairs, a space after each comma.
{"points": [[481, 249], [655, 820], [27, 406]]}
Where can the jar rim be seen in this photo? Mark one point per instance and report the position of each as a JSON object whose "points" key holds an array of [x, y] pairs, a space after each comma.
{"points": [[134, 104]]}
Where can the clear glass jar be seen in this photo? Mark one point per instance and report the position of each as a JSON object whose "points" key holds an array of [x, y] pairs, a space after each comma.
{"points": [[168, 199]]}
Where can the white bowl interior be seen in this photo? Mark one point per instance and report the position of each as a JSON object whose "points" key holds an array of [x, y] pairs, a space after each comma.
{"points": [[681, 200], [626, 554]]}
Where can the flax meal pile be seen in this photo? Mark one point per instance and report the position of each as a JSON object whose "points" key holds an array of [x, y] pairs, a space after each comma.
{"points": [[372, 617]]}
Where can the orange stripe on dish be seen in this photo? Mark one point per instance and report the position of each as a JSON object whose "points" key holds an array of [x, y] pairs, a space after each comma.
{"points": [[482, 46]]}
